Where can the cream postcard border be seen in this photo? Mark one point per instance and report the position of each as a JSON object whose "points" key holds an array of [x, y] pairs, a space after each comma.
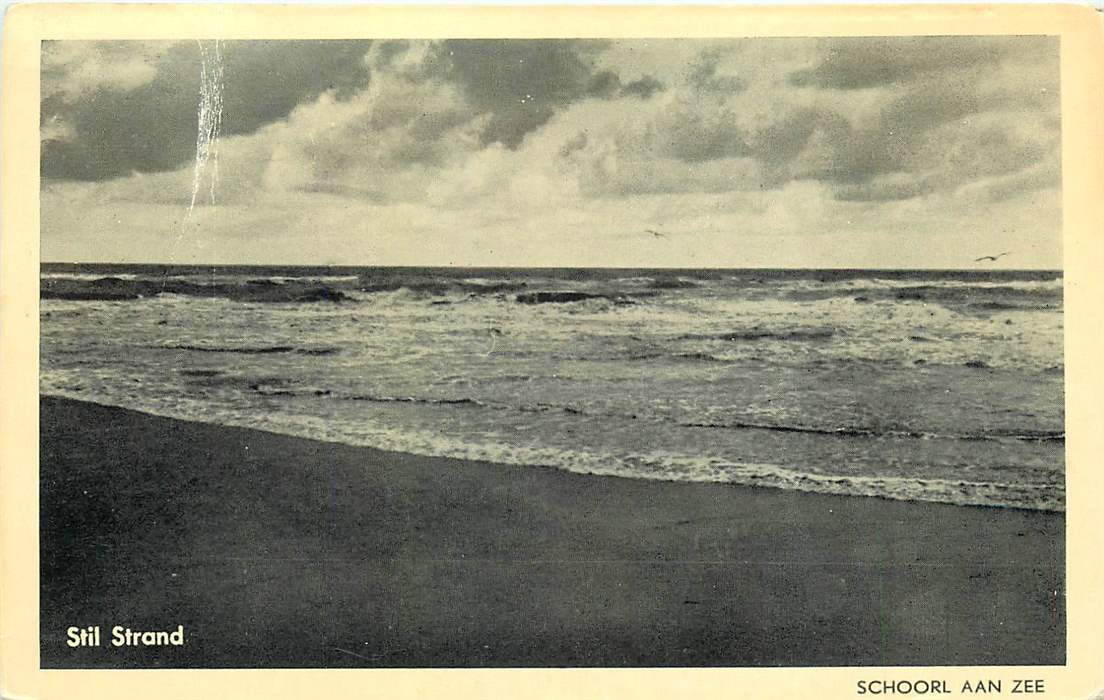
{"points": [[1082, 62]]}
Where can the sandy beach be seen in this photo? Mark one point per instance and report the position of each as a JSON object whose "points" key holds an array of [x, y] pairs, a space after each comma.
{"points": [[283, 552]]}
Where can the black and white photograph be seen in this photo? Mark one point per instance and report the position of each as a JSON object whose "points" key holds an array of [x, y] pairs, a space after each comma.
{"points": [[552, 353]]}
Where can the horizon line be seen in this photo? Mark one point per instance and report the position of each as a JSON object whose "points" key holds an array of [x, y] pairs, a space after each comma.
{"points": [[556, 267]]}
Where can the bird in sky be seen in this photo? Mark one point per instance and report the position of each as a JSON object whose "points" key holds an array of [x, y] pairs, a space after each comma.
{"points": [[657, 234], [992, 257]]}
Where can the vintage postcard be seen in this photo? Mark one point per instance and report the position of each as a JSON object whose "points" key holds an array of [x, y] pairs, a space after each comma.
{"points": [[551, 352]]}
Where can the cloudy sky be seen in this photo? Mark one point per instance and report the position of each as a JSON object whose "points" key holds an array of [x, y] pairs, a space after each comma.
{"points": [[868, 152]]}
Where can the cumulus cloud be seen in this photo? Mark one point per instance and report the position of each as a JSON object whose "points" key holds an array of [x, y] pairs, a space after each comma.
{"points": [[522, 83], [139, 113], [388, 142], [72, 70], [487, 151]]}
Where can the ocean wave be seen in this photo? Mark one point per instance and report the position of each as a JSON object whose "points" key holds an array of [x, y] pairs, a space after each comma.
{"points": [[656, 466], [249, 350], [337, 288], [84, 276], [764, 334], [567, 297], [978, 298], [738, 355], [266, 389], [673, 283], [120, 289], [852, 431], [406, 399], [675, 356], [1038, 305], [426, 285], [723, 370], [699, 357], [956, 297], [833, 431], [312, 279]]}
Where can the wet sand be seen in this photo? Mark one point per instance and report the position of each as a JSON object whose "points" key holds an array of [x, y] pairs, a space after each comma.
{"points": [[276, 551]]}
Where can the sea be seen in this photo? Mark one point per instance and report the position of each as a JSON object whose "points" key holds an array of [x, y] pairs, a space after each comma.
{"points": [[942, 386]]}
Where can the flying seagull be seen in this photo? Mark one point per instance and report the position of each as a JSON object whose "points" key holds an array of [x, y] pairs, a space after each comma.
{"points": [[657, 234], [992, 257]]}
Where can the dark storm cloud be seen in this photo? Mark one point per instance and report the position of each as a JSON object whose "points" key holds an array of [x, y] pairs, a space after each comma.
{"points": [[696, 137], [604, 84], [938, 127], [908, 135], [861, 155], [704, 75], [845, 155], [151, 128], [888, 163], [780, 141], [932, 105], [837, 153], [607, 85], [522, 83], [865, 62], [948, 111], [643, 88]]}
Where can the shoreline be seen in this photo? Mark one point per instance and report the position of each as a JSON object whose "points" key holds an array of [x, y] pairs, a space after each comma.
{"points": [[758, 481], [279, 551]]}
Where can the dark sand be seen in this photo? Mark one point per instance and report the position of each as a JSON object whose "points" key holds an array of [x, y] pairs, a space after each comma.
{"points": [[283, 552]]}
